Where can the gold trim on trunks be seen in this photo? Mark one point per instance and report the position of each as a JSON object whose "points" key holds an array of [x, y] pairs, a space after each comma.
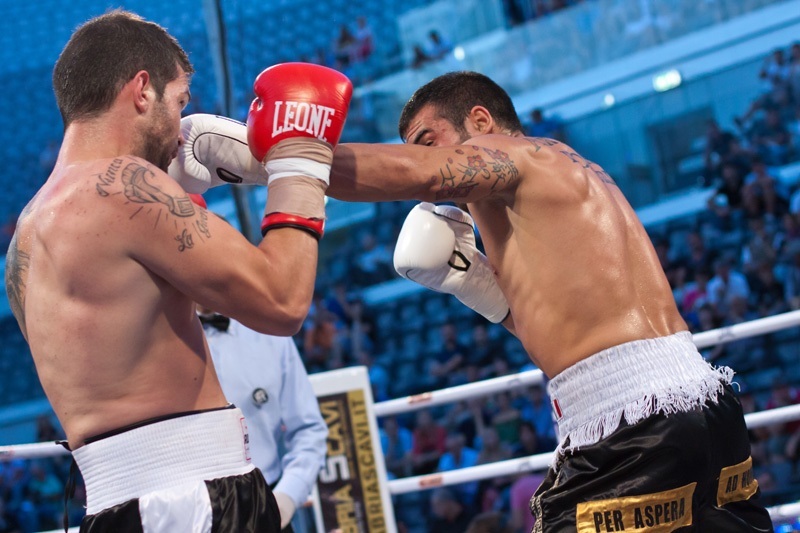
{"points": [[736, 483], [652, 513]]}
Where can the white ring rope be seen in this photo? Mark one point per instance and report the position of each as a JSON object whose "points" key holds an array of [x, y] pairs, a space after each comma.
{"points": [[504, 383]]}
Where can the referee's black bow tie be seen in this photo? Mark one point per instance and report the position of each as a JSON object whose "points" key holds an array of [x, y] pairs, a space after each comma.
{"points": [[217, 321]]}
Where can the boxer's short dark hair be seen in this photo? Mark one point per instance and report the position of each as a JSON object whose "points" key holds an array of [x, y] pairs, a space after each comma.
{"points": [[454, 95], [104, 54]]}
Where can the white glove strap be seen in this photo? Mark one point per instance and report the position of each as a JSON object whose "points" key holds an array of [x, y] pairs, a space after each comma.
{"points": [[288, 167], [480, 291]]}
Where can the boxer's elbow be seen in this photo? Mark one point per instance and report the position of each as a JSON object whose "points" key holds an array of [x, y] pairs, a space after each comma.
{"points": [[282, 318]]}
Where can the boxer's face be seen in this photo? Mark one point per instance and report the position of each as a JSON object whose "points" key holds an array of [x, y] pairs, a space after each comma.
{"points": [[427, 128], [162, 135]]}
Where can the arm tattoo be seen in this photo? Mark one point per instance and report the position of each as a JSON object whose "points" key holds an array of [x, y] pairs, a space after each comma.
{"points": [[461, 175], [601, 174], [139, 188], [17, 263]]}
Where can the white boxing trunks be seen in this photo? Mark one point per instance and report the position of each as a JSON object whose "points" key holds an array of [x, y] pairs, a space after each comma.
{"points": [[188, 472]]}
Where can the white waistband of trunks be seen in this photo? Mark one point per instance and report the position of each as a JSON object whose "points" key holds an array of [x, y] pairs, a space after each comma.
{"points": [[162, 455], [635, 380]]}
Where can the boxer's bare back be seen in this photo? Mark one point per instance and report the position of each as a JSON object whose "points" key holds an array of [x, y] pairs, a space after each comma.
{"points": [[571, 257]]}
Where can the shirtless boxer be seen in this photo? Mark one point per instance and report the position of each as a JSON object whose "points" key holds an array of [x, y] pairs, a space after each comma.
{"points": [[110, 256], [652, 437]]}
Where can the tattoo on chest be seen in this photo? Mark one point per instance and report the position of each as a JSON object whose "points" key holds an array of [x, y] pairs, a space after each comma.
{"points": [[601, 174], [17, 264], [139, 187], [473, 166]]}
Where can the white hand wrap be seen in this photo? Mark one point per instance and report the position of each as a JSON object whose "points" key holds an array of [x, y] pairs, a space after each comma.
{"points": [[436, 248], [214, 153]]}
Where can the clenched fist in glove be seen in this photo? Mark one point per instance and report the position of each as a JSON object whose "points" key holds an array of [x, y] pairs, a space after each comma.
{"points": [[294, 122], [214, 152], [436, 248]]}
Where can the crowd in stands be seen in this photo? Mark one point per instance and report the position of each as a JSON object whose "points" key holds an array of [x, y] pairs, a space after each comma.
{"points": [[737, 261]]}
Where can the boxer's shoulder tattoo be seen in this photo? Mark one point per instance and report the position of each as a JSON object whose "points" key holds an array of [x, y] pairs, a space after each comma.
{"points": [[541, 142], [596, 169], [108, 178], [17, 264], [472, 166], [140, 187]]}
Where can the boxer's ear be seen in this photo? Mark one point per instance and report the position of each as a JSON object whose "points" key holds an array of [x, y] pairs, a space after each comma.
{"points": [[480, 121], [142, 90]]}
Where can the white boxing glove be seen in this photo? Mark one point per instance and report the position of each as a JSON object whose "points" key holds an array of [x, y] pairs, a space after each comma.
{"points": [[286, 508], [436, 248], [214, 153]]}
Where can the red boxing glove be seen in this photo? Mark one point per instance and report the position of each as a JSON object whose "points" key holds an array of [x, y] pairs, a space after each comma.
{"points": [[294, 122], [297, 100]]}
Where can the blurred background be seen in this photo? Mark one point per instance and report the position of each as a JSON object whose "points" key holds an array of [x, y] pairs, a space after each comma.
{"points": [[693, 106]]}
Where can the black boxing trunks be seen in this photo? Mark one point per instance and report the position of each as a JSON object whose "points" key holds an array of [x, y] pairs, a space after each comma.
{"points": [[652, 439], [188, 472]]}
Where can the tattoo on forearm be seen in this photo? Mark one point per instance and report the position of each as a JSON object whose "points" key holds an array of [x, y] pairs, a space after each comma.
{"points": [[17, 263], [138, 189], [601, 174], [462, 174]]}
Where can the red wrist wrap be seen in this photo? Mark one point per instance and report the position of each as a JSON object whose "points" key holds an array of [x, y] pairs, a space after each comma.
{"points": [[314, 226]]}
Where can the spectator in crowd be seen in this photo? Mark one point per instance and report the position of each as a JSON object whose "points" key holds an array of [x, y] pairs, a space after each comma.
{"points": [[539, 413], [397, 443], [483, 349], [522, 520], [792, 279], [46, 492], [506, 419], [8, 522], [770, 138], [762, 193], [492, 449], [344, 45], [373, 261], [726, 201], [782, 394], [46, 430], [697, 255], [719, 145], [419, 57], [437, 47], [727, 284], [696, 293], [429, 443], [459, 456], [363, 40], [540, 126], [529, 442], [766, 290], [759, 247], [321, 340], [794, 72], [489, 522], [450, 359], [448, 514]]}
